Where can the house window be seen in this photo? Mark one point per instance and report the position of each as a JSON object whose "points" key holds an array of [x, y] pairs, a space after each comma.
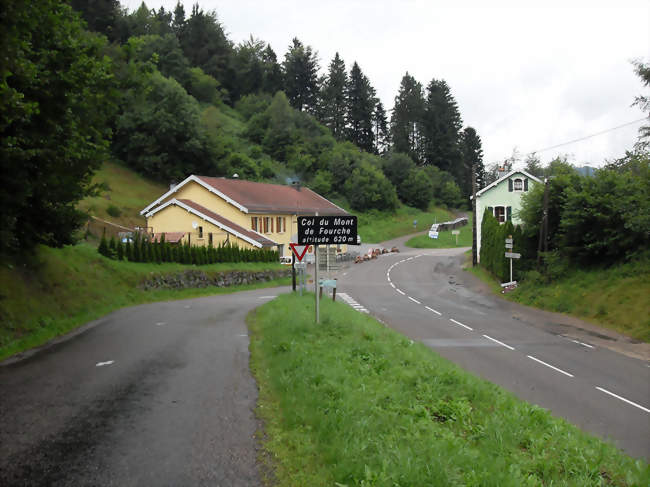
{"points": [[210, 238], [254, 223], [519, 185], [281, 224], [200, 232], [500, 213], [268, 224]]}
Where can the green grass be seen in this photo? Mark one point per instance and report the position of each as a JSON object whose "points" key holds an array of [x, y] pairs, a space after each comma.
{"points": [[615, 298], [351, 402], [376, 226], [445, 239], [62, 289], [127, 191]]}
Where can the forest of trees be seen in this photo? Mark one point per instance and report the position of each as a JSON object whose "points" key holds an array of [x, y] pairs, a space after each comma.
{"points": [[169, 94]]}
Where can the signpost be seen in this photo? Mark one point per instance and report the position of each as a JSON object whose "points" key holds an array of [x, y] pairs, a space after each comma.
{"points": [[316, 230], [456, 232], [510, 255]]}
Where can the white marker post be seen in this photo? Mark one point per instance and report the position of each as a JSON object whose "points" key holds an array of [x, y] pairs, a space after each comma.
{"points": [[510, 255], [316, 281]]}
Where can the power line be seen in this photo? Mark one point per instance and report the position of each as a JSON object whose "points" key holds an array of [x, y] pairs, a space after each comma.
{"points": [[588, 136]]}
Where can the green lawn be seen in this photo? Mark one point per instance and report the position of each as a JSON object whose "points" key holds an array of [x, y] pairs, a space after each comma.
{"points": [[62, 289], [350, 402], [376, 226], [445, 239]]}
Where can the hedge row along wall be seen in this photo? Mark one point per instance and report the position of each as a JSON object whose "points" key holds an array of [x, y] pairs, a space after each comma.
{"points": [[144, 250]]}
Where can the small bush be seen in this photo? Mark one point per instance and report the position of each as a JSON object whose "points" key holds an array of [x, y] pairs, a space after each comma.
{"points": [[114, 211]]}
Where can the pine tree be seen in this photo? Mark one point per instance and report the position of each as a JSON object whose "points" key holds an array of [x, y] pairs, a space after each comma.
{"points": [[272, 76], [406, 120], [360, 107], [112, 247], [334, 98], [380, 128], [441, 129], [300, 68], [120, 250], [103, 245], [472, 156]]}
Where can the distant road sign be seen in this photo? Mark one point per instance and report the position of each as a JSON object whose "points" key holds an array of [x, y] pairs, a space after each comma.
{"points": [[455, 232], [508, 240], [316, 230], [513, 255], [433, 234], [508, 245], [298, 250]]}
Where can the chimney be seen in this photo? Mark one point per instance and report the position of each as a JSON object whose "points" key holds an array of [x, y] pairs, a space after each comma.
{"points": [[172, 185], [501, 171]]}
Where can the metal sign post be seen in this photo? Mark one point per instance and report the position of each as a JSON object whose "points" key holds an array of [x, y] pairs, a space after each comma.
{"points": [[315, 230], [510, 255]]}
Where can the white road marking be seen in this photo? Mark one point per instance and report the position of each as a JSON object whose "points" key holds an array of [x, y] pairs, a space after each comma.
{"points": [[161, 323], [400, 291], [414, 300], [346, 297], [583, 344], [187, 307], [243, 335], [623, 399], [500, 343], [393, 285], [101, 364], [549, 365], [459, 323], [388, 277], [436, 312], [267, 297]]}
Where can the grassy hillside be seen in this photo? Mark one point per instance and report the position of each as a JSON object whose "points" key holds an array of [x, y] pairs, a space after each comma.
{"points": [[126, 194], [351, 402], [616, 298], [445, 239], [60, 289], [377, 226]]}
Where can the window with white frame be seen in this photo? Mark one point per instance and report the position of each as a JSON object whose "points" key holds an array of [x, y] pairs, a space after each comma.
{"points": [[254, 223], [280, 224], [500, 213], [518, 184]]}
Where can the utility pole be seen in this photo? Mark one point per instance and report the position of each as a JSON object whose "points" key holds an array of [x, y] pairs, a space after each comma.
{"points": [[474, 242], [543, 229], [316, 286]]}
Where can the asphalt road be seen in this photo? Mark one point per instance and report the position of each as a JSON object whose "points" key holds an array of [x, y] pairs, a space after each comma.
{"points": [[159, 394], [598, 380]]}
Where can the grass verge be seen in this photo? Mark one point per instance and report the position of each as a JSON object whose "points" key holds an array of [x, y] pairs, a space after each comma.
{"points": [[615, 298], [376, 226], [62, 289], [350, 402], [445, 239]]}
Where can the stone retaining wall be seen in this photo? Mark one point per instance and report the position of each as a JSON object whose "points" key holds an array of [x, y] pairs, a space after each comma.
{"points": [[195, 278]]}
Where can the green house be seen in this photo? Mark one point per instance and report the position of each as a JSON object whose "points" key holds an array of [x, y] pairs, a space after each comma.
{"points": [[503, 199]]}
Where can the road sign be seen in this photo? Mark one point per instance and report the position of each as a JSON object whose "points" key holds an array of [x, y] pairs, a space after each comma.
{"points": [[315, 230], [298, 250], [455, 232], [331, 283], [433, 234], [508, 240], [508, 245], [512, 255]]}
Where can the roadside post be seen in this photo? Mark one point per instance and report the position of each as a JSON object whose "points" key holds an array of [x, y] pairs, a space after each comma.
{"points": [[457, 232], [324, 230], [510, 255], [298, 252]]}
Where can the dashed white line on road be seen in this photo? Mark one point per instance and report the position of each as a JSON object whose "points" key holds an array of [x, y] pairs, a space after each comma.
{"points": [[436, 312], [623, 399], [101, 364], [583, 344], [549, 365], [460, 324], [400, 291], [243, 335], [500, 343], [161, 323], [414, 300], [267, 297], [393, 285]]}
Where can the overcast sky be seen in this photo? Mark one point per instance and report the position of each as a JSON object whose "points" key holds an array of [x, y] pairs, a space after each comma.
{"points": [[526, 75]]}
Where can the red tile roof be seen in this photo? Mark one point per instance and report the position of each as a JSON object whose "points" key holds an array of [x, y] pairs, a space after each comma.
{"points": [[273, 198], [265, 242]]}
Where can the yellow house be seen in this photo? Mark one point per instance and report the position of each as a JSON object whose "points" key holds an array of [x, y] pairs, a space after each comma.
{"points": [[205, 210]]}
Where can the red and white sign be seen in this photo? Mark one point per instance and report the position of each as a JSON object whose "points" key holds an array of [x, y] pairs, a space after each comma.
{"points": [[298, 250]]}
